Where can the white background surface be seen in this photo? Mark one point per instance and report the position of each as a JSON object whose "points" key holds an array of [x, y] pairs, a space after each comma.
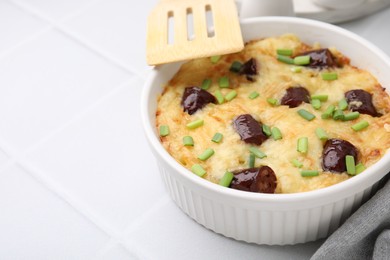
{"points": [[77, 180]]}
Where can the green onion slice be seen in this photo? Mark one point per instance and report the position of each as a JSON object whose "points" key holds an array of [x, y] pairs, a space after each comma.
{"points": [[297, 163], [231, 95], [302, 60], [316, 103], [206, 154], [285, 52], [328, 112], [360, 126], [309, 173], [224, 82], [351, 116], [296, 69], [198, 170], [254, 95], [195, 124], [218, 95], [350, 163], [359, 168], [329, 76], [321, 134], [257, 152], [276, 134], [188, 141], [215, 59], [303, 145], [343, 104], [226, 179], [338, 114], [206, 84], [320, 97], [252, 160], [306, 114], [164, 130], [236, 66], [267, 130], [272, 101], [217, 138], [285, 59]]}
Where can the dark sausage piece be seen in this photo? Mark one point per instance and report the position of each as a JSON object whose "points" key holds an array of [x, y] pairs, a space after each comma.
{"points": [[249, 67], [321, 58], [195, 98], [361, 101], [262, 180], [295, 96], [249, 129], [333, 155]]}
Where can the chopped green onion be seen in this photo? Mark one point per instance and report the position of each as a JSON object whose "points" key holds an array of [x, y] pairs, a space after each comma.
{"points": [[231, 95], [272, 101], [359, 168], [338, 114], [252, 160], [285, 52], [309, 173], [254, 95], [320, 97], [217, 138], [206, 154], [350, 163], [329, 76], [285, 59], [328, 112], [236, 66], [321, 134], [198, 170], [257, 152], [360, 126], [297, 163], [316, 103], [226, 179], [195, 124], [276, 134], [351, 116], [306, 114], [206, 84], [188, 141], [302, 60], [164, 130], [303, 145], [343, 104], [218, 95], [267, 130], [296, 69], [224, 82], [215, 59]]}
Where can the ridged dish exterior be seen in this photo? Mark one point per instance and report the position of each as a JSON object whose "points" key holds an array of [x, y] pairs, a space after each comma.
{"points": [[256, 225]]}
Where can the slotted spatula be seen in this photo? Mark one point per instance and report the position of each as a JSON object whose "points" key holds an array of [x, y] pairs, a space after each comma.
{"points": [[164, 45]]}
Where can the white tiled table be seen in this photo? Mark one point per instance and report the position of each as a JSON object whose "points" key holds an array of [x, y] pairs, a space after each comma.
{"points": [[77, 180]]}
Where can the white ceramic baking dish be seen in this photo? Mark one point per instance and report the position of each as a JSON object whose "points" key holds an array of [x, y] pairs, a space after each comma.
{"points": [[273, 219]]}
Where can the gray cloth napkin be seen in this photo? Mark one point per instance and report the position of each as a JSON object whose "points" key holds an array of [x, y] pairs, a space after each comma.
{"points": [[365, 235]]}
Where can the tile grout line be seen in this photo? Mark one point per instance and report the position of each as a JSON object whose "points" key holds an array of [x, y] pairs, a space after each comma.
{"points": [[77, 37]]}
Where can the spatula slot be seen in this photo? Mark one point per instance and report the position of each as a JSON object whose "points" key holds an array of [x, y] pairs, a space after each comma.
{"points": [[190, 24], [209, 21], [171, 28]]}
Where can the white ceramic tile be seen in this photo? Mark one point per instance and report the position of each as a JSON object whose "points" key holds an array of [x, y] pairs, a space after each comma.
{"points": [[47, 82], [119, 27], [16, 25], [170, 234], [104, 160], [55, 9], [35, 224], [117, 253]]}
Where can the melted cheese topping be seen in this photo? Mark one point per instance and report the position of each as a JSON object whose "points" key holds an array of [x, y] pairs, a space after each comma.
{"points": [[273, 79]]}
